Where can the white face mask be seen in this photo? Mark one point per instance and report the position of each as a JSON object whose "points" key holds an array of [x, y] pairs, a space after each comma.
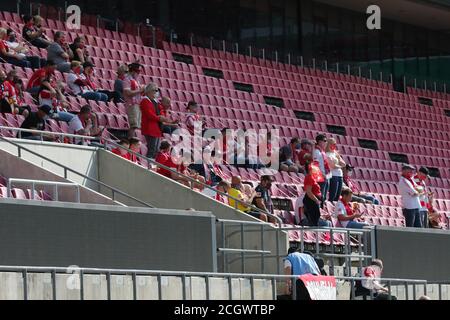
{"points": [[157, 95]]}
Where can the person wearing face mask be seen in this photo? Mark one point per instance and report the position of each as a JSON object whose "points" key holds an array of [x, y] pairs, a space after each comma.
{"points": [[358, 195], [22, 50], [89, 73], [288, 156], [60, 53], [336, 164], [33, 34], [35, 121], [320, 156], [410, 194], [263, 198], [81, 86], [79, 50], [8, 98]]}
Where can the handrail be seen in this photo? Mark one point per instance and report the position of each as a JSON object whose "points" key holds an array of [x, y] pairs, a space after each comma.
{"points": [[42, 182], [67, 169], [47, 133]]}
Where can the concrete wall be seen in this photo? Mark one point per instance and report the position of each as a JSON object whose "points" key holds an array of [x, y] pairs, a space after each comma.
{"points": [[410, 253], [97, 236]]}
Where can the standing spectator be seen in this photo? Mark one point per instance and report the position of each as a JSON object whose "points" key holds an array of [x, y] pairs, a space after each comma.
{"points": [[122, 71], [288, 156], [135, 146], [84, 124], [302, 220], [123, 152], [88, 71], [263, 198], [8, 99], [346, 212], [320, 156], [10, 56], [358, 196], [22, 50], [425, 203], [336, 164], [40, 78], [33, 34], [79, 85], [312, 198], [35, 121], [132, 93], [370, 285], [193, 117], [306, 148], [151, 119], [169, 126], [410, 197], [79, 50], [60, 53], [224, 187]]}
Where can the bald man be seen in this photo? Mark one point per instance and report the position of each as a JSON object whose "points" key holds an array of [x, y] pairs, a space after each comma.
{"points": [[237, 191], [171, 126]]}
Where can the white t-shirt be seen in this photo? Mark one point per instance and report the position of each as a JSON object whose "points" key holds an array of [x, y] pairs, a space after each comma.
{"points": [[298, 205], [338, 210], [332, 158], [76, 89], [407, 191], [317, 156], [75, 125]]}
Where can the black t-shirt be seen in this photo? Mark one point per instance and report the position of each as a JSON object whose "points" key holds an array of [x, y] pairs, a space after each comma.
{"points": [[27, 31], [76, 57], [32, 122], [264, 194]]}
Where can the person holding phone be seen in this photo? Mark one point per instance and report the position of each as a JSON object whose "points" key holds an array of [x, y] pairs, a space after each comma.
{"points": [[346, 212]]}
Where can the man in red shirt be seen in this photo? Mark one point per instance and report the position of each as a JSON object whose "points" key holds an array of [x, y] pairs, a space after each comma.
{"points": [[122, 152], [8, 99], [40, 78], [151, 120], [306, 148], [135, 146]]}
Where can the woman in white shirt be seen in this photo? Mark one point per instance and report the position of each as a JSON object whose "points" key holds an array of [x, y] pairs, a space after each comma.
{"points": [[336, 164]]}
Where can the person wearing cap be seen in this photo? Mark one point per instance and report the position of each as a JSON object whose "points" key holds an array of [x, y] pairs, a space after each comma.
{"points": [[426, 205], [35, 121], [288, 156], [193, 117], [79, 85], [263, 198], [320, 156], [59, 52], [132, 94], [410, 194], [89, 72], [40, 78], [358, 195]]}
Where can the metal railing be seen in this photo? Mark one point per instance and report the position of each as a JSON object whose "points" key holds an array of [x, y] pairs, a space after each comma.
{"points": [[159, 274], [44, 183], [66, 169]]}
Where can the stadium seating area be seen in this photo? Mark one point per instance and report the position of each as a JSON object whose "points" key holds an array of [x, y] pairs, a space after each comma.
{"points": [[367, 109]]}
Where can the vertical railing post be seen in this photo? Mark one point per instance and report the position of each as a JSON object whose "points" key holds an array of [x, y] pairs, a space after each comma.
{"points": [[314, 63], [25, 284], [263, 54], [230, 288], [154, 36], [250, 51], [332, 252], [134, 279], [276, 56], [54, 284], [242, 249], [237, 48], [301, 61], [370, 74], [224, 46], [289, 58], [337, 67], [81, 285]]}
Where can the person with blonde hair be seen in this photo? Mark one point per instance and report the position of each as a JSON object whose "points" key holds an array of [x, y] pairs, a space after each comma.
{"points": [[122, 71], [336, 164], [10, 56]]}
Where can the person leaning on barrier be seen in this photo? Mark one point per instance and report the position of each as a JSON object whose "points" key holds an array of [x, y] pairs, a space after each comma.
{"points": [[370, 285], [36, 121]]}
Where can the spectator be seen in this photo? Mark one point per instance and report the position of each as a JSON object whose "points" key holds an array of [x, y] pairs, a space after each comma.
{"points": [[298, 264], [320, 156], [237, 191], [122, 71], [88, 71], [80, 86], [151, 119], [171, 125], [84, 124], [302, 220], [132, 93], [41, 78], [22, 50], [336, 164], [23, 108], [346, 212], [358, 196], [306, 148], [60, 53], [123, 152], [79, 50], [370, 285], [33, 34], [263, 198], [135, 146], [312, 198], [410, 197], [9, 55], [35, 121], [425, 203], [8, 99], [224, 187], [193, 117], [288, 156]]}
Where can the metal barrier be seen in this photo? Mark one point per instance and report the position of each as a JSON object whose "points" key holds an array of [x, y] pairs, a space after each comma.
{"points": [[44, 183], [81, 272]]}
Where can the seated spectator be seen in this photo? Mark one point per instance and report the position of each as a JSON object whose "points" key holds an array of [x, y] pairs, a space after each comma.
{"points": [[135, 146], [151, 119], [370, 285], [22, 50], [263, 197], [307, 147], [358, 196], [40, 78], [224, 187], [84, 124], [79, 50], [80, 86], [238, 192], [193, 117], [22, 107], [171, 125], [56, 99], [8, 99], [36, 121], [60, 53], [34, 34], [288, 156], [88, 71], [123, 152], [122, 71], [9, 55], [132, 93], [346, 212], [336, 164]]}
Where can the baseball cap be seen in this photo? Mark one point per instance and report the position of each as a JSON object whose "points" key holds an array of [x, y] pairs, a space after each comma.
{"points": [[349, 167], [46, 109], [425, 171], [192, 104], [408, 167]]}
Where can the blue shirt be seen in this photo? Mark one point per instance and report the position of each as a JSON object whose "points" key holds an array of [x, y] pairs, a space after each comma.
{"points": [[302, 263]]}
